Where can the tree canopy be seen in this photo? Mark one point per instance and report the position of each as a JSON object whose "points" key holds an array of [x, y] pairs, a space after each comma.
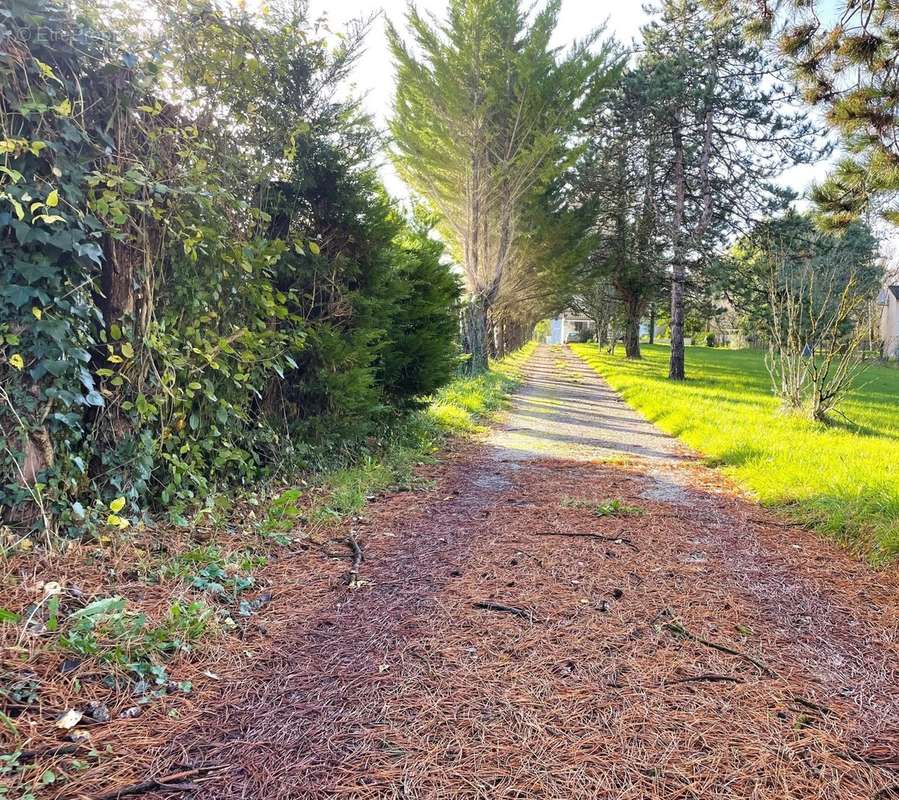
{"points": [[846, 56]]}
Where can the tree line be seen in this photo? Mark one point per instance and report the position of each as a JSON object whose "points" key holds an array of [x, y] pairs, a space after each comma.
{"points": [[626, 182], [203, 283]]}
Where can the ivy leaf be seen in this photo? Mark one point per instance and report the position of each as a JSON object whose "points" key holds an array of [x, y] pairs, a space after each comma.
{"points": [[37, 312], [105, 605], [119, 522], [17, 207], [53, 199], [14, 175], [46, 70], [117, 505], [16, 360], [128, 350], [314, 248]]}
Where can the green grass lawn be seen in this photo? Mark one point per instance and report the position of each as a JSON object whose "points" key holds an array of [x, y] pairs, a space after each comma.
{"points": [[843, 478], [465, 404]]}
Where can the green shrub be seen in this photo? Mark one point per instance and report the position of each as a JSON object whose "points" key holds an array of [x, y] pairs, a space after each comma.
{"points": [[185, 305]]}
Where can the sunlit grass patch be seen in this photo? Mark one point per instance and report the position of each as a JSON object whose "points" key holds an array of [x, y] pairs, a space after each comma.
{"points": [[463, 407], [841, 478], [466, 403], [453, 418]]}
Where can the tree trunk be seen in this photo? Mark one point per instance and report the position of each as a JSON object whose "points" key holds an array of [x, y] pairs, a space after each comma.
{"points": [[632, 332], [474, 334], [121, 265], [652, 323], [602, 333], [676, 365], [513, 336]]}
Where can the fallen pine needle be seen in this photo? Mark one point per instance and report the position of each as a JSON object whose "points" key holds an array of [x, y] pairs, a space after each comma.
{"points": [[598, 536], [173, 782], [710, 677]]}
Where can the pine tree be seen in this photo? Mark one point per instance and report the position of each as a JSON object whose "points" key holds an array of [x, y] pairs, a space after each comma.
{"points": [[850, 69], [716, 96], [483, 111], [620, 177]]}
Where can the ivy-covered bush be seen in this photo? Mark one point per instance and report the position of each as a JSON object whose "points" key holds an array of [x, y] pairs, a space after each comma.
{"points": [[202, 281]]}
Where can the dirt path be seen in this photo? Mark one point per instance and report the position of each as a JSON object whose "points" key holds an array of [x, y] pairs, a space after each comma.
{"points": [[697, 649]]}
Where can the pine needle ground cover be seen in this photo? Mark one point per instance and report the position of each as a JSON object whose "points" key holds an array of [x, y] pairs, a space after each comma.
{"points": [[144, 611], [842, 478]]}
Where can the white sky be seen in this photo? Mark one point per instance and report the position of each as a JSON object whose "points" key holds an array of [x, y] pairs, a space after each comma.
{"points": [[373, 75], [374, 72]]}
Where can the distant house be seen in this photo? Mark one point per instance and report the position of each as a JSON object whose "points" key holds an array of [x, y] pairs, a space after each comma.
{"points": [[570, 326], [889, 321], [567, 325]]}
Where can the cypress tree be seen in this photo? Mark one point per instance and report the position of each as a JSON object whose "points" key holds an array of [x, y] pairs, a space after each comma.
{"points": [[483, 111]]}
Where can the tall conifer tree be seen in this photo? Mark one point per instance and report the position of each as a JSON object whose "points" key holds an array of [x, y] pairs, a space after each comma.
{"points": [[717, 98], [483, 113], [621, 178]]}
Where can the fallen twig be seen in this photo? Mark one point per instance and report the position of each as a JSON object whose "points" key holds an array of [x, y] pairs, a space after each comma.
{"points": [[353, 576], [680, 630], [174, 782], [813, 706], [599, 536], [710, 677], [489, 605], [49, 752]]}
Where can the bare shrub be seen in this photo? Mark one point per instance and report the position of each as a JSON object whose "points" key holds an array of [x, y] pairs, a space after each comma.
{"points": [[815, 336]]}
